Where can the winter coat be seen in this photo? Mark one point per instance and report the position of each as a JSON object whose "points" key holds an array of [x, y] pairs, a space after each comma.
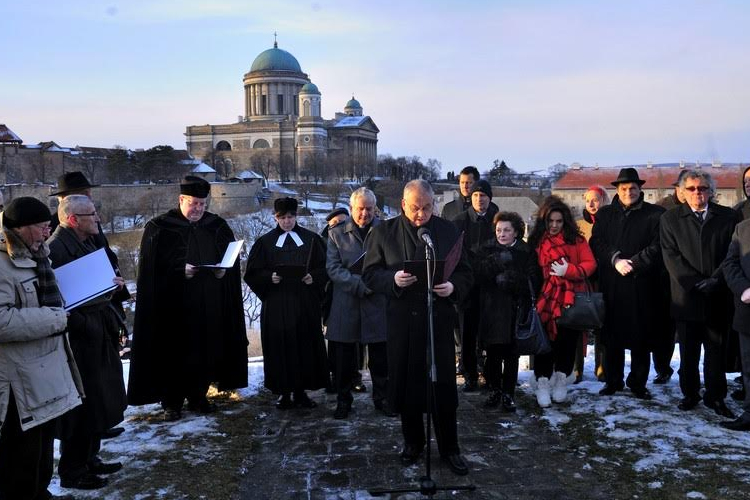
{"points": [[585, 225], [693, 252], [357, 314], [36, 361], [453, 209], [669, 202], [736, 268], [388, 246], [504, 276], [743, 207], [636, 310], [93, 331]]}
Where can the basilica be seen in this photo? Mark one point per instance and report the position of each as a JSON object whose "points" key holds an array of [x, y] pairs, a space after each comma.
{"points": [[282, 134]]}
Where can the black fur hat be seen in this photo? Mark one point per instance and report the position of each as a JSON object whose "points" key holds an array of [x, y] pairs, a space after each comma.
{"points": [[286, 205], [195, 186]]}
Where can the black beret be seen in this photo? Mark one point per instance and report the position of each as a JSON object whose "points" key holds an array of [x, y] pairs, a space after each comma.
{"points": [[286, 205], [482, 186], [25, 211], [336, 212], [195, 186]]}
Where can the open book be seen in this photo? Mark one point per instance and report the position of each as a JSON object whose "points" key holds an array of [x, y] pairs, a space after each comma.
{"points": [[441, 269], [230, 256], [84, 279]]}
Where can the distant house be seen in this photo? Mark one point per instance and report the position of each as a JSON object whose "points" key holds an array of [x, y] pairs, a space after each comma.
{"points": [[204, 171], [659, 178], [248, 176]]}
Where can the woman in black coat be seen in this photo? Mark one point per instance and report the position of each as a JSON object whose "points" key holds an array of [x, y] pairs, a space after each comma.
{"points": [[507, 271]]}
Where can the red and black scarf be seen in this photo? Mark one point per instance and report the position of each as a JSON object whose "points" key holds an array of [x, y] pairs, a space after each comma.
{"points": [[557, 292]]}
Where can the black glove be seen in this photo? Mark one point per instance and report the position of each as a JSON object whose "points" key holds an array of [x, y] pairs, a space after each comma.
{"points": [[708, 285]]}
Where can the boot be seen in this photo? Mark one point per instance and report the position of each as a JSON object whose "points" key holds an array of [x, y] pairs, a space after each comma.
{"points": [[494, 400], [559, 383], [543, 392]]}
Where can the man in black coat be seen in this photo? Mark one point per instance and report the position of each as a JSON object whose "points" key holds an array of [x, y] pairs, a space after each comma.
{"points": [[93, 330], [189, 321], [466, 178], [694, 238], [476, 225], [625, 242], [744, 206], [389, 246], [736, 269]]}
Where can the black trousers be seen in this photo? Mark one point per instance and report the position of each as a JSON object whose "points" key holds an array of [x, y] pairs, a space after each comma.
{"points": [[562, 356], [664, 349], [346, 364], [640, 362], [692, 336], [443, 426], [501, 368], [191, 386], [25, 458], [469, 333], [77, 452]]}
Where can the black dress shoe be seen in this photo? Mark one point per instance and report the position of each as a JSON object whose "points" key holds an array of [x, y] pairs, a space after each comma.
{"points": [[642, 393], [342, 410], [457, 464], [302, 400], [739, 424], [172, 415], [410, 454], [720, 408], [663, 377], [285, 402], [470, 386], [104, 467], [494, 400], [85, 482], [738, 394], [113, 432], [202, 406], [688, 403], [610, 389], [509, 405], [384, 408], [359, 387]]}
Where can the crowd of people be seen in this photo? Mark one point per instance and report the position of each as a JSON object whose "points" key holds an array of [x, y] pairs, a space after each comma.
{"points": [[356, 297]]}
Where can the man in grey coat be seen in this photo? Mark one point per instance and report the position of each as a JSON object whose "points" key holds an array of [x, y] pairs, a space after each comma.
{"points": [[357, 314]]}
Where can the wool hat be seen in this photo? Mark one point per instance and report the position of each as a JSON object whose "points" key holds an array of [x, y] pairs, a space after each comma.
{"points": [[196, 187], [682, 174], [336, 212], [71, 182], [482, 186], [628, 174], [25, 211], [286, 205]]}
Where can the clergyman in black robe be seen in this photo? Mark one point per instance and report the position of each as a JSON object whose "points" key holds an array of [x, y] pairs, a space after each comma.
{"points": [[189, 326], [286, 270]]}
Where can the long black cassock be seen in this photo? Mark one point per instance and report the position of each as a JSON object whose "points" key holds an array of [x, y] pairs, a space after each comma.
{"points": [[186, 329], [294, 355]]}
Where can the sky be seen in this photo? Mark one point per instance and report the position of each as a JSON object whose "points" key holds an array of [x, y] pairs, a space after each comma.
{"points": [[531, 82]]}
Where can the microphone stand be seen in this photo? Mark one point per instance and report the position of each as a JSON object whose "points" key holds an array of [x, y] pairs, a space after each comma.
{"points": [[427, 486]]}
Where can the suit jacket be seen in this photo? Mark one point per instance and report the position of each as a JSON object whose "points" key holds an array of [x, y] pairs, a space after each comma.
{"points": [[736, 269], [693, 252]]}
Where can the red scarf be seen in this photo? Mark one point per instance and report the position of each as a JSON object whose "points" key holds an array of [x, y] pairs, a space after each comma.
{"points": [[557, 292]]}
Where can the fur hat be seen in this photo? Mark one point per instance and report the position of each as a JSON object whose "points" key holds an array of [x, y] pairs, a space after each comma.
{"points": [[196, 187], [628, 175], [71, 182], [482, 186], [336, 212], [286, 205], [25, 211]]}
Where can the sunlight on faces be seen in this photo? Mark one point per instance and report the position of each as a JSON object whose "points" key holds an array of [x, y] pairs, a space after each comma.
{"points": [[593, 201], [85, 222], [554, 223], [465, 182], [505, 233], [34, 235], [286, 221], [363, 211], [192, 208], [697, 192], [480, 202], [628, 192], [746, 182], [417, 207]]}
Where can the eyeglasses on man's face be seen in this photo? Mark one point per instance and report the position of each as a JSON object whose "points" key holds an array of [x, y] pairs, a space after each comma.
{"points": [[92, 214], [700, 189]]}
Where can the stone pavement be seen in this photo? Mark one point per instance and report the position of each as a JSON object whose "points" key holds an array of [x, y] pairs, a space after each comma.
{"points": [[307, 454]]}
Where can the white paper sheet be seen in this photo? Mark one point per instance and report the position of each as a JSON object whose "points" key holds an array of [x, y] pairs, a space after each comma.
{"points": [[230, 256], [84, 279]]}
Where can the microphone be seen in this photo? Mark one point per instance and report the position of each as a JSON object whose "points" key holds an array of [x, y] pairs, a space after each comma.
{"points": [[424, 234]]}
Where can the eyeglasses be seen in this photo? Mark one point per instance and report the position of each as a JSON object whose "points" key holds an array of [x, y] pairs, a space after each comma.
{"points": [[92, 214], [700, 189]]}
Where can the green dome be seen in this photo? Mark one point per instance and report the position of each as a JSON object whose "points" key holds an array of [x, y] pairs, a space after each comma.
{"points": [[353, 103], [275, 59], [310, 88]]}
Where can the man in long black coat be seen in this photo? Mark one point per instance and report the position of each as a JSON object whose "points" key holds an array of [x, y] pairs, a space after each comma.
{"points": [[391, 244], [189, 322], [286, 269], [694, 239], [93, 330], [625, 242]]}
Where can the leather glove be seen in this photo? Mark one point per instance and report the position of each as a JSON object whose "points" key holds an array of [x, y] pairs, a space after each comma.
{"points": [[708, 285]]}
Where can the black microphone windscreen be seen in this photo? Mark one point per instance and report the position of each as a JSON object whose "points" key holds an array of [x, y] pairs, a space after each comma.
{"points": [[422, 231]]}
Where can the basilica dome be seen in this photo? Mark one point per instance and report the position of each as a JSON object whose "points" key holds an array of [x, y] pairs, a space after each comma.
{"points": [[275, 59]]}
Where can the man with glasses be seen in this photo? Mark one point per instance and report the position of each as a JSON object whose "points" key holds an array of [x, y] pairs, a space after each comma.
{"points": [[695, 237], [93, 329]]}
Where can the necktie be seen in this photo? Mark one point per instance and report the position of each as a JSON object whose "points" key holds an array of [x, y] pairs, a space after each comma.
{"points": [[701, 216]]}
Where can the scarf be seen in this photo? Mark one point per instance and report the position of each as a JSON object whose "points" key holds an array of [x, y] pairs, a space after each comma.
{"points": [[46, 289], [557, 292]]}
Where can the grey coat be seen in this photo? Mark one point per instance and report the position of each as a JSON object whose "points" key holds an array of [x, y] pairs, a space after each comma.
{"points": [[736, 269], [357, 314]]}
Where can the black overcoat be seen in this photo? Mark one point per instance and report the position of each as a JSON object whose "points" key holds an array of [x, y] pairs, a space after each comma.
{"points": [[388, 246], [636, 314], [500, 302], [185, 326], [736, 269], [693, 252], [294, 356], [93, 331]]}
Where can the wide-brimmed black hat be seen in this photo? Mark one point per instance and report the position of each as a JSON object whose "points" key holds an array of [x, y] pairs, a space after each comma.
{"points": [[286, 205], [70, 182], [195, 186], [628, 175]]}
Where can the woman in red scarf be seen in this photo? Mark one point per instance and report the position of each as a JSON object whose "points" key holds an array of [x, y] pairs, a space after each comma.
{"points": [[566, 261]]}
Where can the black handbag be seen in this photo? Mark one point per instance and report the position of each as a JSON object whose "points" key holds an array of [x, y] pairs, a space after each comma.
{"points": [[586, 312], [531, 337]]}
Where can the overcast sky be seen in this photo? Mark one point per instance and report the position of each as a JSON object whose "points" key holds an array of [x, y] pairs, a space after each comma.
{"points": [[530, 82]]}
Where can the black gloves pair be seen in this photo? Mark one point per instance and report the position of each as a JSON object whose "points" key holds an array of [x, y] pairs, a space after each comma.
{"points": [[708, 285]]}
